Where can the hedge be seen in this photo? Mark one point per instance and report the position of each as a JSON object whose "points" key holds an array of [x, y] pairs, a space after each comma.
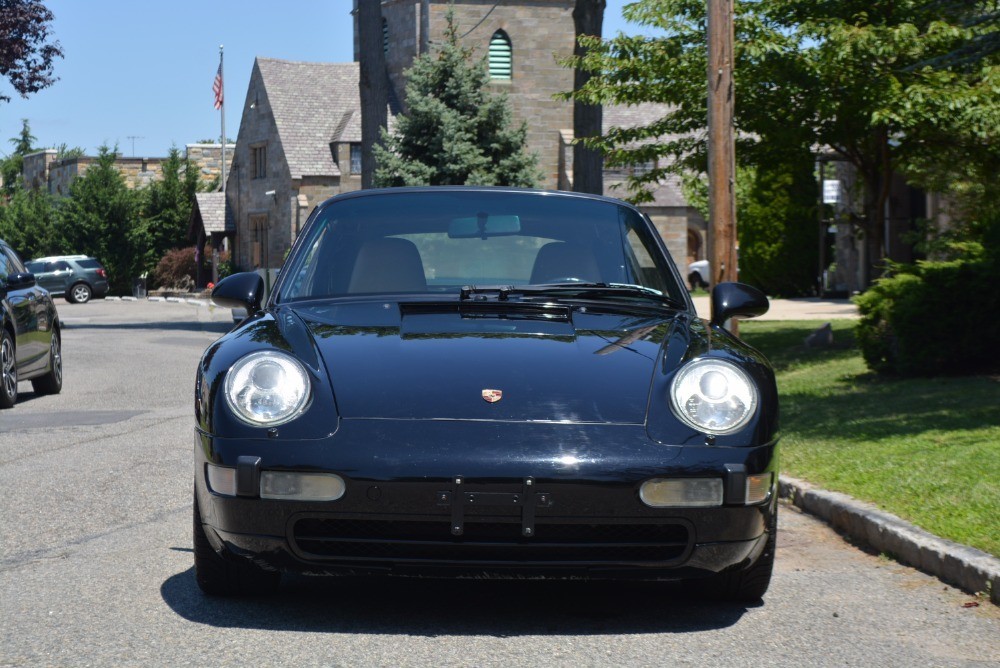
{"points": [[933, 319]]}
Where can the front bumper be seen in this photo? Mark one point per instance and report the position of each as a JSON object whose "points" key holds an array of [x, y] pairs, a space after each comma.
{"points": [[480, 500]]}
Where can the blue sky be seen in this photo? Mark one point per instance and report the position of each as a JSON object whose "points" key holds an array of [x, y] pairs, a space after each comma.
{"points": [[144, 69]]}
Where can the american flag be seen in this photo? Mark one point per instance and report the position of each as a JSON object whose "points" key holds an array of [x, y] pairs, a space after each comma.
{"points": [[217, 88]]}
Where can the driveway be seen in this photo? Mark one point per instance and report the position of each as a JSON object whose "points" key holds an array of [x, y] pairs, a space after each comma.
{"points": [[807, 308]]}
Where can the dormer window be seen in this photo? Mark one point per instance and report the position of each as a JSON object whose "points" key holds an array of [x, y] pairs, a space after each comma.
{"points": [[500, 57]]}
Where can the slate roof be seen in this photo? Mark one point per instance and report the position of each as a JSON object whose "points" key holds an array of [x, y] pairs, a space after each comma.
{"points": [[668, 193], [313, 104], [215, 215]]}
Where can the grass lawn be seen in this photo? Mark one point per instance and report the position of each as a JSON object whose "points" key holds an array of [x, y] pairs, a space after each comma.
{"points": [[926, 449]]}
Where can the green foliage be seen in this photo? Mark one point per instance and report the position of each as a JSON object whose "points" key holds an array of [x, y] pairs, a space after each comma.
{"points": [[165, 213], [12, 167], [777, 225], [98, 217], [30, 223], [777, 229], [934, 318], [454, 132], [861, 78]]}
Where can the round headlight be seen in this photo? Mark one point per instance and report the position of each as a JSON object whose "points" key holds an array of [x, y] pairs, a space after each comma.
{"points": [[713, 396], [267, 388]]}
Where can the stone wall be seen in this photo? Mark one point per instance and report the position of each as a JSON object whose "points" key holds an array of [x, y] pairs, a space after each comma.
{"points": [[208, 158], [541, 33], [42, 170]]}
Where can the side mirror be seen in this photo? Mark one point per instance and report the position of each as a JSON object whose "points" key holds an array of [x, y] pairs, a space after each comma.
{"points": [[244, 290], [20, 281], [731, 300]]}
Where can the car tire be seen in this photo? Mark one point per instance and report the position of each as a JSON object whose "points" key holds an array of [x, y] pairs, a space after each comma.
{"points": [[746, 585], [218, 576], [51, 382], [694, 280], [8, 370], [79, 293]]}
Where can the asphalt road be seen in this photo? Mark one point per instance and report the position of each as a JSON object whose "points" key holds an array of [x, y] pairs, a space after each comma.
{"points": [[96, 566]]}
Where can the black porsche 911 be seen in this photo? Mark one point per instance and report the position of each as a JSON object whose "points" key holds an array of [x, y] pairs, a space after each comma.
{"points": [[484, 382]]}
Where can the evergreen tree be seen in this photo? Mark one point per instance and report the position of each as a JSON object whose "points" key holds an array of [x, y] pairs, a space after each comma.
{"points": [[29, 223], [166, 210], [97, 220], [12, 167], [454, 132]]}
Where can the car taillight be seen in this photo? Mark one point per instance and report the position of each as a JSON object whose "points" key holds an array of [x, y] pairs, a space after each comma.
{"points": [[102, 273]]}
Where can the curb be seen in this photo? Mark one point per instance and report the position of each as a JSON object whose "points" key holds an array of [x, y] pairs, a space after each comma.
{"points": [[967, 568]]}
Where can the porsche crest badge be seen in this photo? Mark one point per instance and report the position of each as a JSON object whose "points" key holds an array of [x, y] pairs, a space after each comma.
{"points": [[492, 396]]}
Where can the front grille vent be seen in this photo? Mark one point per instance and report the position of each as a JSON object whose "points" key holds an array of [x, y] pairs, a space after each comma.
{"points": [[323, 538]]}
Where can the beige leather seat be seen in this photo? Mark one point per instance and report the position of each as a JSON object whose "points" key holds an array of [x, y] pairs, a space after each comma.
{"points": [[558, 260], [388, 265]]}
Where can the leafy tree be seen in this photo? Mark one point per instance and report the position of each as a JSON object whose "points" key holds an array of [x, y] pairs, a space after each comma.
{"points": [[26, 54], [455, 131], [851, 75], [165, 211], [98, 216]]}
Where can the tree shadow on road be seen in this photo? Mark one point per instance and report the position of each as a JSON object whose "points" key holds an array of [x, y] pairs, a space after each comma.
{"points": [[432, 608], [215, 326]]}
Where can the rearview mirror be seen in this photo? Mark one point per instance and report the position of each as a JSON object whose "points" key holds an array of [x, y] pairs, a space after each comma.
{"points": [[484, 225]]}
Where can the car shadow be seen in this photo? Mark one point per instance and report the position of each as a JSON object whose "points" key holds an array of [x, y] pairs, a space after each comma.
{"points": [[426, 607]]}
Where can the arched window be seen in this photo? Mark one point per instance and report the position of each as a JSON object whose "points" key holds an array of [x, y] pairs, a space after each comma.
{"points": [[385, 37], [501, 59]]}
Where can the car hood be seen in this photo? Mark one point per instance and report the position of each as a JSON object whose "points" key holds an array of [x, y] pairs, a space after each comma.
{"points": [[537, 363]]}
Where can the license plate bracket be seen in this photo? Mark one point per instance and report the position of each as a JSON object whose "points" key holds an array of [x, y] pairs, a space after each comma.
{"points": [[528, 499]]}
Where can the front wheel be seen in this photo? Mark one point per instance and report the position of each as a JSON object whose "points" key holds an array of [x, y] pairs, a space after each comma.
{"points": [[219, 576], [8, 371], [51, 382], [79, 294]]}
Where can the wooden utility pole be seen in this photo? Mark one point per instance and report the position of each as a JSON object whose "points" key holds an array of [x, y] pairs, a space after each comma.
{"points": [[721, 143], [722, 241]]}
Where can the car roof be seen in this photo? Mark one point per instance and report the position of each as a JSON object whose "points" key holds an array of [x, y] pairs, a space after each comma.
{"points": [[54, 258]]}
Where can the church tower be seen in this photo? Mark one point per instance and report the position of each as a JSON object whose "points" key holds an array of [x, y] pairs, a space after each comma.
{"points": [[523, 42]]}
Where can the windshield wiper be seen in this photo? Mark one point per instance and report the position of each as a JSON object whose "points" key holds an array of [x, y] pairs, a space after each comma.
{"points": [[579, 290]]}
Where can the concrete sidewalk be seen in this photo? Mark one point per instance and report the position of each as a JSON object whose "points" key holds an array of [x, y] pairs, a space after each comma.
{"points": [[807, 308]]}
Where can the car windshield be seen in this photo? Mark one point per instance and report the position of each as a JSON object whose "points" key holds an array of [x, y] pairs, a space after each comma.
{"points": [[441, 241], [35, 267]]}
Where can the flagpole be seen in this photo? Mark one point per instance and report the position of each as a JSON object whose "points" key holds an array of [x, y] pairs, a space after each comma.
{"points": [[222, 112]]}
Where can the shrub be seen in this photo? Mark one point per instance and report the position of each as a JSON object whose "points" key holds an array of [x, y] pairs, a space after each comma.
{"points": [[176, 269], [933, 318]]}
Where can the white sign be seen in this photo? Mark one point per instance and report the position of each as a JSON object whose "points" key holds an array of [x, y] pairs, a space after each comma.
{"points": [[831, 191]]}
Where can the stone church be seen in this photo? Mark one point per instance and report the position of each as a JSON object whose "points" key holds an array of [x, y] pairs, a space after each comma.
{"points": [[299, 140]]}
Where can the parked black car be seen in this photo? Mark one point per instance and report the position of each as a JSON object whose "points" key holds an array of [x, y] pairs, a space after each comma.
{"points": [[30, 343], [484, 382], [78, 278]]}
